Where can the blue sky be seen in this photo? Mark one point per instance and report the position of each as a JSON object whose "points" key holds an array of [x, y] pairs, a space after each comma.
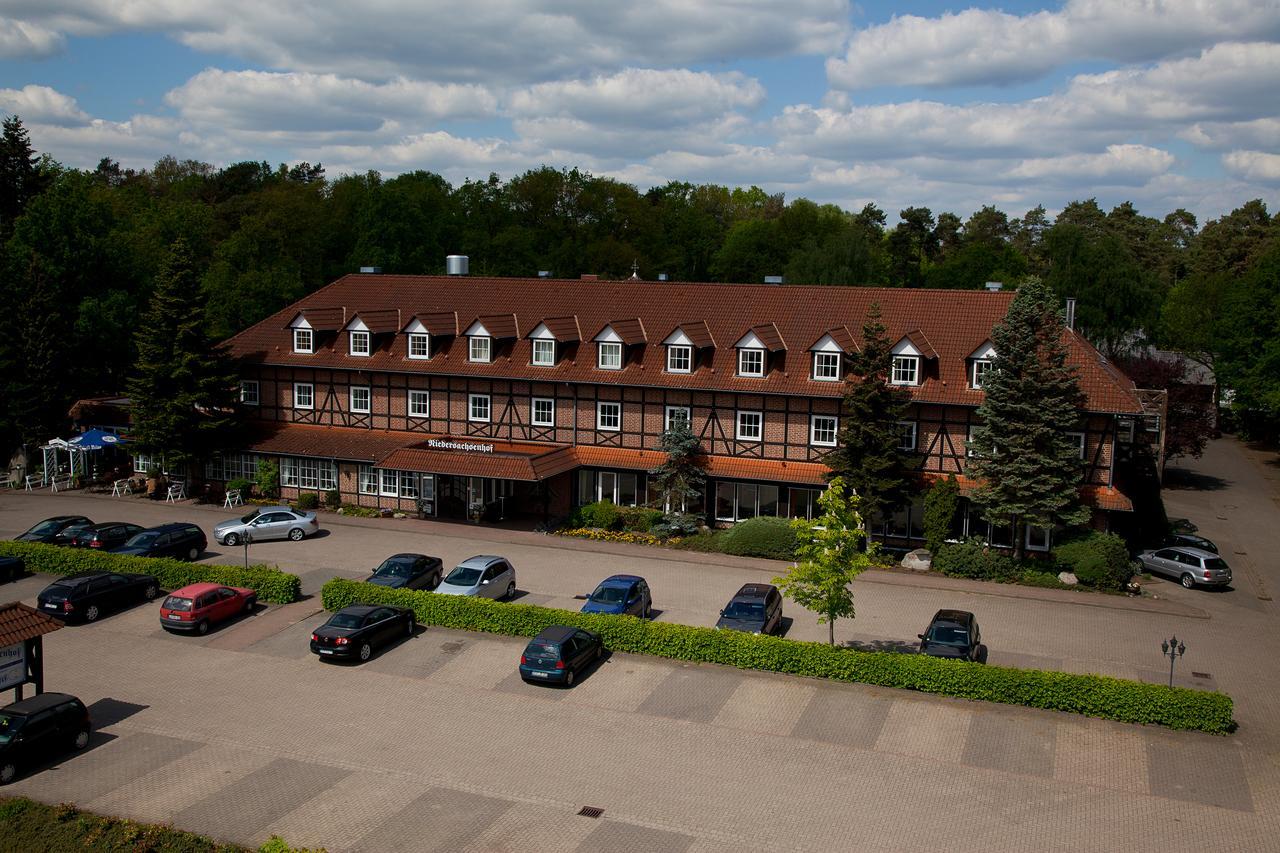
{"points": [[1168, 103]]}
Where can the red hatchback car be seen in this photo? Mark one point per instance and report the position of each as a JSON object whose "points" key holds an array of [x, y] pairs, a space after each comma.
{"points": [[198, 606]]}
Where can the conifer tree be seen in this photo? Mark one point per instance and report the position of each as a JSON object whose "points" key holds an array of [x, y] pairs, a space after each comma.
{"points": [[185, 388], [870, 459], [20, 178], [1027, 467], [680, 479]]}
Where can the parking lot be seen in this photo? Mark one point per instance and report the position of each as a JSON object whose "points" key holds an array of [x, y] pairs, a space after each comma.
{"points": [[437, 744]]}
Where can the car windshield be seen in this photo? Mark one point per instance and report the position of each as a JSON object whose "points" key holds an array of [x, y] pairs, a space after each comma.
{"points": [[73, 530], [542, 651], [44, 528], [345, 620], [609, 595], [948, 635], [394, 568], [463, 576], [173, 602], [1217, 564], [245, 519], [744, 610], [70, 583], [142, 540], [9, 725]]}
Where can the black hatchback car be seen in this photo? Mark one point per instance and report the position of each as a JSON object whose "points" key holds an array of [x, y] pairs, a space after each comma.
{"points": [[953, 634], [756, 609], [559, 653], [40, 728], [180, 540], [47, 531], [86, 596], [104, 536], [408, 571], [356, 630]]}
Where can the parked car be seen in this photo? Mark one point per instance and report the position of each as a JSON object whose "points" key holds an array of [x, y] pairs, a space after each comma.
{"points": [[953, 634], [66, 536], [85, 596], [1191, 566], [487, 577], [47, 531], [756, 608], [1188, 540], [199, 606], [621, 594], [40, 728], [408, 571], [105, 535], [356, 630], [559, 653], [268, 522], [180, 540], [12, 568]]}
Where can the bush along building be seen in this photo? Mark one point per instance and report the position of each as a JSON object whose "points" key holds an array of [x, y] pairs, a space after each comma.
{"points": [[494, 398]]}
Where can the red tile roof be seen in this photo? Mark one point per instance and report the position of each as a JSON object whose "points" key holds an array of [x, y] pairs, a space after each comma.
{"points": [[1100, 497], [954, 323], [921, 343], [18, 622], [565, 329], [698, 332], [353, 445], [444, 323]]}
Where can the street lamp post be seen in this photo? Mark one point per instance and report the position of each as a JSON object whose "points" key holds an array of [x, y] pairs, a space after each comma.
{"points": [[248, 537], [1172, 649]]}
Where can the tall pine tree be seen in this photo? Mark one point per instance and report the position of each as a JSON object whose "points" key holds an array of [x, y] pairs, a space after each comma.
{"points": [[184, 392], [870, 459], [20, 177], [1026, 465], [679, 480]]}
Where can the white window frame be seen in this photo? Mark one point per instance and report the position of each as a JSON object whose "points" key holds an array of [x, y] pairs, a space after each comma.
{"points": [[247, 399], [351, 399], [388, 476], [367, 483], [915, 435], [482, 346], [408, 484], [670, 410], [613, 405], [311, 395], [423, 338], [818, 375], [360, 335], [677, 353], [753, 353], [898, 373], [544, 361], [738, 424], [533, 412], [813, 430], [1081, 442], [299, 335], [612, 347], [975, 375], [472, 399], [415, 396], [1042, 543]]}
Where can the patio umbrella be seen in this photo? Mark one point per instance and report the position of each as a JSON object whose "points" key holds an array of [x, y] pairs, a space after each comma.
{"points": [[96, 439]]}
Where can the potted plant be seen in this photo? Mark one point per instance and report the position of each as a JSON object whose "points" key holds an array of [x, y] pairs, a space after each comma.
{"points": [[422, 504]]}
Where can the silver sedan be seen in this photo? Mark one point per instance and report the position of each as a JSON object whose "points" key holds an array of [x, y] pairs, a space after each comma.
{"points": [[1190, 566], [483, 576], [268, 522]]}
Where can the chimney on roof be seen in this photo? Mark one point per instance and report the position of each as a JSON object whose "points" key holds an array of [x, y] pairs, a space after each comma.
{"points": [[994, 286], [773, 279], [1071, 313], [589, 276], [371, 270], [457, 264]]}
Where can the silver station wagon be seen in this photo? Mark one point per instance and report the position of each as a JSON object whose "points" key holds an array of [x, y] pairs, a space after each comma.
{"points": [[1190, 566]]}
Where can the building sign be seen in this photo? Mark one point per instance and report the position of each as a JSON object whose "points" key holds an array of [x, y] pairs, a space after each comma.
{"points": [[13, 666], [464, 446]]}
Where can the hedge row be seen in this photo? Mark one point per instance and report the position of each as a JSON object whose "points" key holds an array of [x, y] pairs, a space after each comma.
{"points": [[1092, 695], [272, 585]]}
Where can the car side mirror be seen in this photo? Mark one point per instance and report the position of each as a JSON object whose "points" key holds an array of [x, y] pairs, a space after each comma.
{"points": [[482, 583], [921, 636], [721, 612]]}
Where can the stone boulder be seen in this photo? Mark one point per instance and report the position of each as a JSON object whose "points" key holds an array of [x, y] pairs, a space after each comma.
{"points": [[1068, 578], [919, 560]]}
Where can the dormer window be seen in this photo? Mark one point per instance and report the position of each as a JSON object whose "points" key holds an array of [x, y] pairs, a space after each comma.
{"points": [[906, 370], [980, 361], [826, 366], [419, 345], [303, 341], [548, 336], [980, 368], [360, 343], [544, 352], [609, 355], [679, 358], [480, 348], [750, 361], [753, 349], [909, 355]]}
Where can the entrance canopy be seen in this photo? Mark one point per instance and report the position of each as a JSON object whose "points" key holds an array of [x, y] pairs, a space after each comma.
{"points": [[483, 458]]}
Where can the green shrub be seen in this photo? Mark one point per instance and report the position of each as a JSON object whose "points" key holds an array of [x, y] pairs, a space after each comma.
{"points": [[268, 478], [762, 537], [601, 514], [308, 501], [245, 486], [940, 505], [969, 560], [272, 585], [357, 511], [677, 524], [1092, 695], [1097, 559], [333, 499], [28, 825], [639, 519]]}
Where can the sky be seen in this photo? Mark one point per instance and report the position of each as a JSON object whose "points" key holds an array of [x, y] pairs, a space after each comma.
{"points": [[1166, 103]]}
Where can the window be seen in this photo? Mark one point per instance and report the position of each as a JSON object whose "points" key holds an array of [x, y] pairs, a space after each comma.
{"points": [[419, 346], [312, 474], [609, 355], [543, 411], [750, 426], [304, 395], [622, 488], [368, 480], [980, 368], [676, 414], [1078, 438], [231, 466], [361, 399], [544, 352], [1124, 430], [609, 416], [360, 343], [478, 408], [908, 435], [144, 462], [302, 340], [249, 392], [480, 348], [740, 501], [906, 370], [679, 359], [1037, 538], [822, 430], [408, 484], [969, 450], [419, 404], [750, 362], [388, 483], [826, 366]]}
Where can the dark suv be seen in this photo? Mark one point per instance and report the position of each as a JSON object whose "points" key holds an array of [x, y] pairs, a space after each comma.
{"points": [[182, 541], [105, 536], [34, 730], [86, 596], [756, 608], [953, 634]]}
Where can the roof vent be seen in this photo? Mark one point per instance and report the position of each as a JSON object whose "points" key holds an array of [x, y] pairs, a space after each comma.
{"points": [[994, 286], [773, 279], [544, 273], [1071, 313], [457, 264], [371, 270]]}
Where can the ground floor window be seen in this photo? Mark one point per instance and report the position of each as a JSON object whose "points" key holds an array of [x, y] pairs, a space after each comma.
{"points": [[740, 501], [624, 488], [231, 466], [906, 523], [368, 480], [392, 483], [144, 463], [310, 474], [803, 503]]}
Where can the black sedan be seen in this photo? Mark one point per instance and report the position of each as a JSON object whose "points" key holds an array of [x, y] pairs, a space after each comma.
{"points": [[408, 571], [86, 596], [355, 631], [12, 568], [47, 531], [953, 634]]}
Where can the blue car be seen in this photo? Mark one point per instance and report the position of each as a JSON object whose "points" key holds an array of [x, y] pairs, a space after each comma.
{"points": [[621, 594]]}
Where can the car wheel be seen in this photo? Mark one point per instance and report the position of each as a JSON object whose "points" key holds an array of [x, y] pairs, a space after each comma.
{"points": [[91, 613], [1187, 580], [511, 590], [248, 604], [151, 592], [568, 678], [648, 611], [82, 739], [366, 651], [296, 534], [599, 652], [412, 626], [202, 627], [8, 772], [192, 554], [231, 540]]}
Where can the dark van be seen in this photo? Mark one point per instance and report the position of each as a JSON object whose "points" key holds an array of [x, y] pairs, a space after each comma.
{"points": [[40, 728]]}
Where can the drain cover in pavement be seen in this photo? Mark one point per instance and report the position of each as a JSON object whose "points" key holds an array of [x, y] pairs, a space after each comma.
{"points": [[590, 811], [1201, 675]]}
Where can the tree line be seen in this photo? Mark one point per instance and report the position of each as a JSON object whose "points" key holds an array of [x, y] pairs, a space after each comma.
{"points": [[81, 251]]}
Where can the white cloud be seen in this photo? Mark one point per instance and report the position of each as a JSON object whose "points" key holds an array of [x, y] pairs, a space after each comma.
{"points": [[1129, 165], [1260, 166], [988, 46], [23, 40], [41, 104]]}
